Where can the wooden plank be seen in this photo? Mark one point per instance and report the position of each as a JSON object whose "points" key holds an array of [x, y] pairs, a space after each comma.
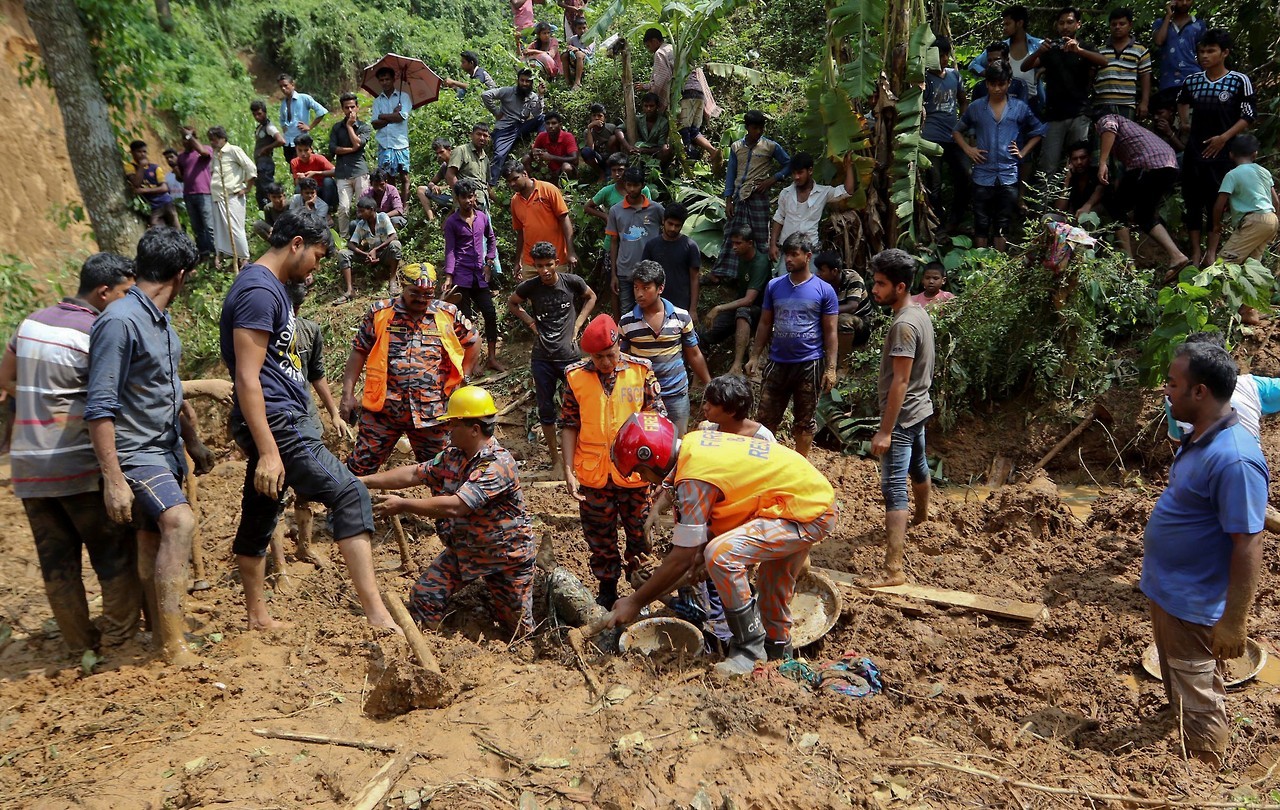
{"points": [[990, 605]]}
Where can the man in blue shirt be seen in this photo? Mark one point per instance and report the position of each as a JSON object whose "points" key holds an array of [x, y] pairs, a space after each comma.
{"points": [[391, 120], [269, 420], [138, 428], [800, 312], [1202, 549], [296, 110], [944, 100], [1005, 131], [1176, 37]]}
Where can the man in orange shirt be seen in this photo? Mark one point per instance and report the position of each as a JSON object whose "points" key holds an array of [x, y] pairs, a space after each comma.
{"points": [[742, 501], [539, 214]]}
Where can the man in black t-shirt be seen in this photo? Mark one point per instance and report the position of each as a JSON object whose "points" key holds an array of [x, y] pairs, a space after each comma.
{"points": [[560, 304], [269, 420], [679, 256], [1068, 76]]}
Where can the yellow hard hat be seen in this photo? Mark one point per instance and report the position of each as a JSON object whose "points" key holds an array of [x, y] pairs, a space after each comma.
{"points": [[419, 274], [471, 402]]}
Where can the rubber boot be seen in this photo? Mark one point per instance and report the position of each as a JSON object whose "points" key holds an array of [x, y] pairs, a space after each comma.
{"points": [[779, 650], [608, 593], [748, 641], [121, 609]]}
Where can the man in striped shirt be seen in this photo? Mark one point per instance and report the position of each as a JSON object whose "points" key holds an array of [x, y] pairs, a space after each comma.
{"points": [[1123, 83], [55, 471], [662, 333]]}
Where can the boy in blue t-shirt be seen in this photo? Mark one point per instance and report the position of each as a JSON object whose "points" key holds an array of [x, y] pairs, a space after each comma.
{"points": [[800, 312], [944, 100], [1250, 191], [269, 420]]}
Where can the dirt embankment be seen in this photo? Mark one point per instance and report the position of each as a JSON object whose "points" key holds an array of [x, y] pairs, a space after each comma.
{"points": [[37, 172]]}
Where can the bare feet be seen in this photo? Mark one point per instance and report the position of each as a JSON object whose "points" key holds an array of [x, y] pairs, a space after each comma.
{"points": [[884, 579], [494, 365], [268, 624], [307, 554], [386, 622], [1250, 316], [919, 517], [557, 471]]}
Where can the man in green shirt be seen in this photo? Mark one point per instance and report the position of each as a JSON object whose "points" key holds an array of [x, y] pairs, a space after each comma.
{"points": [[470, 161], [653, 130], [740, 316]]}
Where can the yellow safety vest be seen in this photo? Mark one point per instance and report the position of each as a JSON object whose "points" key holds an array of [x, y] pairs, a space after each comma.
{"points": [[602, 415], [759, 479]]}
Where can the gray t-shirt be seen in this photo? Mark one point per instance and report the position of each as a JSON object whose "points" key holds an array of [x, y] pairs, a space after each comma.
{"points": [[632, 227], [554, 309], [308, 344], [910, 335]]}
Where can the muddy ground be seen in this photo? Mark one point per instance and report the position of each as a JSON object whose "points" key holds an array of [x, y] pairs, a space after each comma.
{"points": [[1061, 703]]}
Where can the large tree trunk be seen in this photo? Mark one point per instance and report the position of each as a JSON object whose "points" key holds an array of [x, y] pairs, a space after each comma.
{"points": [[95, 156], [165, 15]]}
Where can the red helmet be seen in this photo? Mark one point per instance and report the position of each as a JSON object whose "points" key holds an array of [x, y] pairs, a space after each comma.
{"points": [[644, 440]]}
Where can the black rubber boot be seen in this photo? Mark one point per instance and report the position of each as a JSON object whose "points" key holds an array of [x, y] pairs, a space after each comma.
{"points": [[608, 593], [779, 650], [748, 641]]}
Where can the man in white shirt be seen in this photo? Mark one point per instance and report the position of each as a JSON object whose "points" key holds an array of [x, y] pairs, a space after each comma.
{"points": [[391, 124], [802, 204]]}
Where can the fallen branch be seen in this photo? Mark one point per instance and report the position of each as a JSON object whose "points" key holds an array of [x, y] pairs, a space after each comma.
{"points": [[322, 739], [516, 403], [1130, 799], [380, 785]]}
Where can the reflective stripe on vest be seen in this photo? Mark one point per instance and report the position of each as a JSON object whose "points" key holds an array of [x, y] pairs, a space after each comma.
{"points": [[376, 365], [601, 416], [758, 478]]}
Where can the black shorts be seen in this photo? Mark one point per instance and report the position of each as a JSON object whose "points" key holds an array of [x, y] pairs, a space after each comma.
{"points": [[311, 471], [993, 208]]}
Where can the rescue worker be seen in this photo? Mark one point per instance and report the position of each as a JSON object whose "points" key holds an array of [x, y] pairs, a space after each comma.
{"points": [[415, 351], [601, 392], [480, 512], [740, 501]]}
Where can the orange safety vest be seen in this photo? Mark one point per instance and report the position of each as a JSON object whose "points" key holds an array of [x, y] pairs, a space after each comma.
{"points": [[759, 479], [375, 367], [602, 416]]}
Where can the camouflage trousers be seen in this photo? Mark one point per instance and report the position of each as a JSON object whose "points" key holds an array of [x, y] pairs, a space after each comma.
{"points": [[379, 431], [510, 587], [601, 512], [61, 528]]}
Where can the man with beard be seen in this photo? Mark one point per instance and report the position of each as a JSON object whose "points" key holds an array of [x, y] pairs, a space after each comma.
{"points": [[518, 110]]}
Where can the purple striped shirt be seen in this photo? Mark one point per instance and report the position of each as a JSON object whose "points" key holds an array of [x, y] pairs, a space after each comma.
{"points": [[467, 248]]}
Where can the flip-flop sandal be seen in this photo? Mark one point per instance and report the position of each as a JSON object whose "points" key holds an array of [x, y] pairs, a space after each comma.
{"points": [[1172, 276], [340, 300]]}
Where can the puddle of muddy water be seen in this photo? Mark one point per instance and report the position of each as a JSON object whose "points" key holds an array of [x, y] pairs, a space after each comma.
{"points": [[1079, 498]]}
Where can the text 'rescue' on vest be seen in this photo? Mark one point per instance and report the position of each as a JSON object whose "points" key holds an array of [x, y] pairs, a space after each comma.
{"points": [[376, 365], [602, 416], [758, 478]]}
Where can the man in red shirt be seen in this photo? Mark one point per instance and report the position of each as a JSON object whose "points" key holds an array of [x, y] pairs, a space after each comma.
{"points": [[310, 163], [554, 146]]}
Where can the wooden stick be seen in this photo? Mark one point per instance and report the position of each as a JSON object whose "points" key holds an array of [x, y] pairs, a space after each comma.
{"points": [[577, 640], [516, 403], [1066, 440], [322, 739], [402, 540], [1077, 792], [990, 605], [374, 792], [628, 95], [417, 642]]}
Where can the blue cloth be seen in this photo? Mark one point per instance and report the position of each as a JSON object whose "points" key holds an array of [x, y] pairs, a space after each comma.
{"points": [[1177, 57], [797, 317], [259, 301], [395, 135], [156, 490], [293, 110], [1217, 487], [395, 161], [134, 380], [1019, 124]]}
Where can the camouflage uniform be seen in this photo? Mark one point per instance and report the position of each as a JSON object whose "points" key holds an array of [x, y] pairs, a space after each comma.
{"points": [[416, 369], [606, 506], [494, 543]]}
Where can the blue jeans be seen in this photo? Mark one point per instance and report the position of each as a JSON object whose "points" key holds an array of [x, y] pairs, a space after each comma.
{"points": [[905, 457], [504, 140], [678, 411], [200, 211]]}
